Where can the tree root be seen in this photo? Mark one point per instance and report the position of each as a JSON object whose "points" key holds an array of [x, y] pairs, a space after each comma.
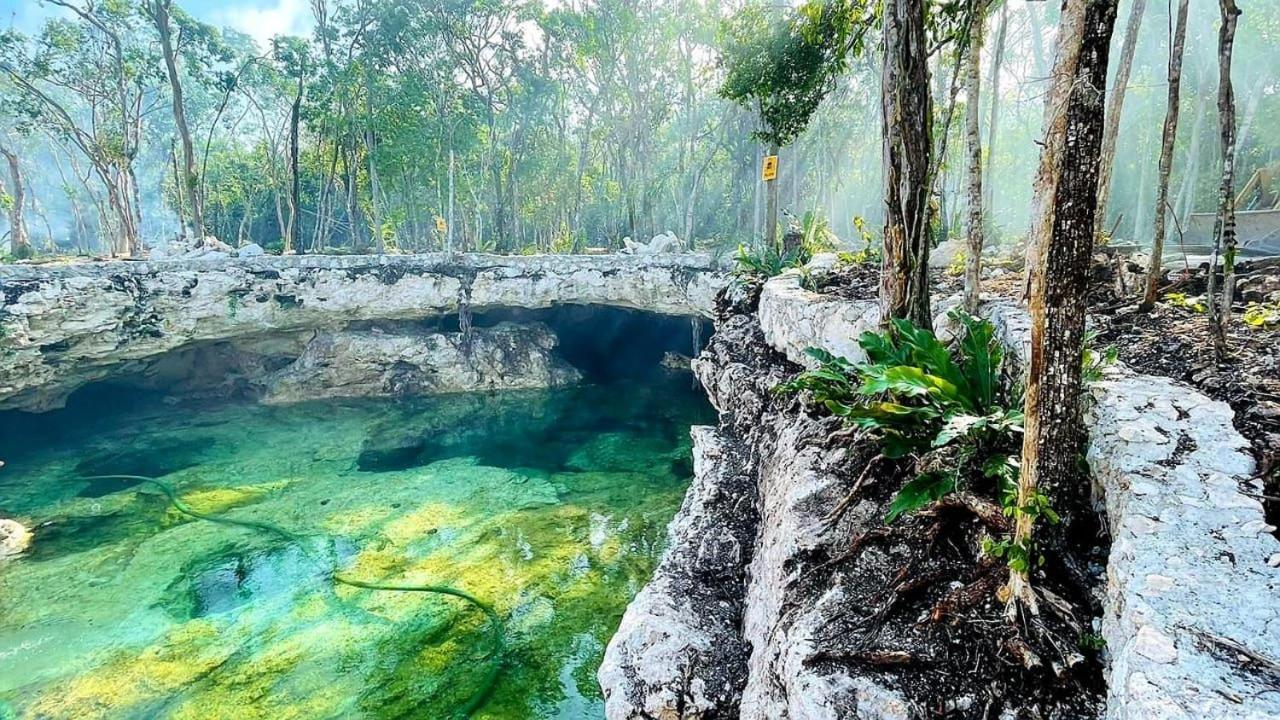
{"points": [[834, 516], [987, 512], [967, 596]]}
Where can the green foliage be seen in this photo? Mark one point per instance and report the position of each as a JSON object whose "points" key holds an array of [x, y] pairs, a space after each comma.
{"points": [[767, 260], [1095, 360], [784, 66], [1091, 642], [1181, 300], [1262, 315], [943, 406]]}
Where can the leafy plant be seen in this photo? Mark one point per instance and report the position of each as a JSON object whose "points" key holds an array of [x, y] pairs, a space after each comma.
{"points": [[943, 406], [1095, 360], [1262, 315], [1181, 300], [767, 260]]}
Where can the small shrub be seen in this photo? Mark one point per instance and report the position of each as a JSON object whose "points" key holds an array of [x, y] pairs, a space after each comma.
{"points": [[944, 407]]}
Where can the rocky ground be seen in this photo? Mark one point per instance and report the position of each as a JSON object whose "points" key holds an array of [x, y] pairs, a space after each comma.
{"points": [[1174, 340]]}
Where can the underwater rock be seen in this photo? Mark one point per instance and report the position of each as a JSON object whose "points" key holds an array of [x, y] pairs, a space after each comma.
{"points": [[15, 538], [378, 363], [678, 652], [676, 361], [67, 325]]}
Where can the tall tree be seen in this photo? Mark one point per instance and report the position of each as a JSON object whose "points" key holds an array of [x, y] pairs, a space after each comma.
{"points": [[19, 240], [159, 12], [1114, 110], [1224, 226], [785, 67], [973, 148], [1169, 137], [1066, 197], [907, 117]]}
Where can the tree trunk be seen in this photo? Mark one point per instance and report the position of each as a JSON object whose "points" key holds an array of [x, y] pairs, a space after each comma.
{"points": [[1114, 109], [19, 238], [1224, 226], [1063, 218], [159, 11], [771, 208], [295, 192], [973, 147], [907, 124], [993, 123], [1169, 137]]}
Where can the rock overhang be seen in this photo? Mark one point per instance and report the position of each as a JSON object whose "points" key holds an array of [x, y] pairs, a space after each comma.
{"points": [[62, 326]]}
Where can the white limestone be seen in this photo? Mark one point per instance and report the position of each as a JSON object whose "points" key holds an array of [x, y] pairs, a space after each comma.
{"points": [[63, 326]]}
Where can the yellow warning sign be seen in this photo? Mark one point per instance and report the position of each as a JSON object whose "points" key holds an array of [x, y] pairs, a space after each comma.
{"points": [[770, 171], [440, 224]]}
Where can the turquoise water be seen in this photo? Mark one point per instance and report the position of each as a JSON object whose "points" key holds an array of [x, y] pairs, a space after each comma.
{"points": [[550, 506]]}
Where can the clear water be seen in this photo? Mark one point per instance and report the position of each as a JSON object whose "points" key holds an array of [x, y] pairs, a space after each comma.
{"points": [[551, 506]]}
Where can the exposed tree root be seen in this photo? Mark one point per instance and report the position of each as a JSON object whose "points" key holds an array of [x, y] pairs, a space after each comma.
{"points": [[839, 511], [987, 512], [967, 596]]}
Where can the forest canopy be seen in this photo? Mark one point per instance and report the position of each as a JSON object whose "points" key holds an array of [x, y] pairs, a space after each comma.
{"points": [[540, 126]]}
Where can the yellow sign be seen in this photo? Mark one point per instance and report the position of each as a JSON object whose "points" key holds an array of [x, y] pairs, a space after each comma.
{"points": [[440, 225], [770, 171]]}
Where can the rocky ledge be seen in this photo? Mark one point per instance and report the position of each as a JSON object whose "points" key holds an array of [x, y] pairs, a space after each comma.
{"points": [[65, 325], [1189, 544]]}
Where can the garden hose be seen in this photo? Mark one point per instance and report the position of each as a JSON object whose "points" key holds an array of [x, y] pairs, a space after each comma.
{"points": [[497, 634]]}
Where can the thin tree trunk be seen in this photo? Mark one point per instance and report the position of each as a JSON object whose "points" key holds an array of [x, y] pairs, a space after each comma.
{"points": [[159, 12], [907, 124], [1065, 203], [1224, 227], [1114, 109], [19, 238], [993, 123], [771, 206], [295, 192], [973, 147]]}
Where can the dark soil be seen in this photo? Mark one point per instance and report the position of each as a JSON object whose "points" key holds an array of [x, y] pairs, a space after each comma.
{"points": [[922, 613], [851, 281]]}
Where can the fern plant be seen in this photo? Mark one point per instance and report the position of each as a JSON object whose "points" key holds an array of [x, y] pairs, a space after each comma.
{"points": [[943, 406]]}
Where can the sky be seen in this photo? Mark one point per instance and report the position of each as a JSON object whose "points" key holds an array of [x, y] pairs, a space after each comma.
{"points": [[260, 19]]}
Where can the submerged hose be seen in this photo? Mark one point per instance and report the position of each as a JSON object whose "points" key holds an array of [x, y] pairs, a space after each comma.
{"points": [[497, 633]]}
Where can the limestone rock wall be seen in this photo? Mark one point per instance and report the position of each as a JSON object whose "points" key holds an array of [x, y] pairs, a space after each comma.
{"points": [[679, 652], [379, 363], [63, 326], [1193, 571]]}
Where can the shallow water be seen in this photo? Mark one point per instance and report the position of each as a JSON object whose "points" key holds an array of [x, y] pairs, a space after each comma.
{"points": [[550, 506]]}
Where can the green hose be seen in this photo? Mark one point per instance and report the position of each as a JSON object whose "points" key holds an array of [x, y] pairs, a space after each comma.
{"points": [[497, 634]]}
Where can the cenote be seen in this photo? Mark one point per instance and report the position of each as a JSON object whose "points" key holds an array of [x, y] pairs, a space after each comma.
{"points": [[550, 506]]}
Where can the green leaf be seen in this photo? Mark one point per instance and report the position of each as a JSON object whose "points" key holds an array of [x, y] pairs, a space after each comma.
{"points": [[918, 493]]}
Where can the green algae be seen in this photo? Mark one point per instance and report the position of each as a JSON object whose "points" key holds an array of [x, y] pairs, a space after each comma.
{"points": [[166, 617]]}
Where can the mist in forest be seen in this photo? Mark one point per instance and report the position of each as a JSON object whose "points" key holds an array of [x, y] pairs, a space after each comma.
{"points": [[537, 125]]}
